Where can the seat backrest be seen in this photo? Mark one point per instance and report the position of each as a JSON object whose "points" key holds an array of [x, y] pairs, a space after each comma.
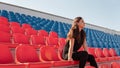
{"points": [[5, 37], [115, 65], [24, 26], [106, 52], [92, 51], [20, 38], [43, 33], [53, 34], [112, 52], [52, 41], [4, 20], [30, 31], [49, 53], [36, 40], [26, 53], [4, 28], [5, 55], [14, 24], [89, 67], [99, 52], [16, 29], [62, 41], [104, 66]]}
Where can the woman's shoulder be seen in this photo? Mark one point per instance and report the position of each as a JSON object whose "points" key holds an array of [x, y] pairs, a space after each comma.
{"points": [[70, 39]]}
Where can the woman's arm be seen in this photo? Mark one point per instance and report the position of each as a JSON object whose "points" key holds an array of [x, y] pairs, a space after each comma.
{"points": [[71, 44], [85, 45]]}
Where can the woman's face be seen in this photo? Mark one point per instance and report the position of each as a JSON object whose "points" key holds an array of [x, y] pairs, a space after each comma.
{"points": [[81, 24]]}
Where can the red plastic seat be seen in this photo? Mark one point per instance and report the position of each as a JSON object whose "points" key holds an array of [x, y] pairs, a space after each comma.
{"points": [[115, 65], [114, 54], [89, 67], [5, 55], [16, 29], [99, 54], [92, 52], [24, 26], [3, 20], [50, 41], [62, 43], [30, 31], [19, 38], [6, 59], [28, 55], [43, 33], [4, 28], [51, 54], [14, 24], [53, 34], [107, 54], [104, 66], [5, 37], [38, 40]]}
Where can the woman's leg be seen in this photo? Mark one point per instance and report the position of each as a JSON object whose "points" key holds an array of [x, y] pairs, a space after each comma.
{"points": [[92, 61], [82, 57]]}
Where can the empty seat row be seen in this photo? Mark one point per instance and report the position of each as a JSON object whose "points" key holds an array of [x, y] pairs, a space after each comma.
{"points": [[38, 40], [103, 55]]}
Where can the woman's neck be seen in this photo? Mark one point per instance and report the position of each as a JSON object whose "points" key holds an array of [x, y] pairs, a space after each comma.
{"points": [[80, 29]]}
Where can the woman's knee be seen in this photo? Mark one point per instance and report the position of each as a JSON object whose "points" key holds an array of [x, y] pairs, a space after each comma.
{"points": [[91, 56], [84, 53]]}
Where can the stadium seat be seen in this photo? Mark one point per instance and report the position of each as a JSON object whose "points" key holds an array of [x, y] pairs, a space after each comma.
{"points": [[61, 43], [107, 54], [89, 67], [16, 29], [26, 54], [38, 40], [30, 31], [104, 66], [50, 41], [51, 54], [14, 24], [92, 52], [43, 33], [3, 20], [6, 58], [115, 65], [4, 28], [5, 38], [24, 26], [53, 34], [114, 54], [19, 38], [99, 54]]}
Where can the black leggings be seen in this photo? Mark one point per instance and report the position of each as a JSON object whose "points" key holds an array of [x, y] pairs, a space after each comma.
{"points": [[83, 57]]}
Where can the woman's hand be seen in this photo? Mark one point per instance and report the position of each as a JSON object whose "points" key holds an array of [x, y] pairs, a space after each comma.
{"points": [[70, 59]]}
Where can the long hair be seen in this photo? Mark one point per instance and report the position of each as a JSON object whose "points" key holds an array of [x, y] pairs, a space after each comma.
{"points": [[74, 30]]}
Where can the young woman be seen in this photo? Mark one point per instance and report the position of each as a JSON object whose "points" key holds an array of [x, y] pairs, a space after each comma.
{"points": [[76, 38]]}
